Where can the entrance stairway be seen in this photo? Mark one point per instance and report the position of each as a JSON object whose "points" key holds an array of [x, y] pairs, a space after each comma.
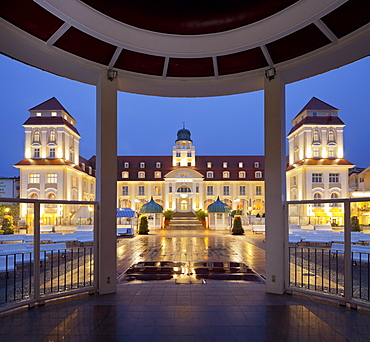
{"points": [[185, 221]]}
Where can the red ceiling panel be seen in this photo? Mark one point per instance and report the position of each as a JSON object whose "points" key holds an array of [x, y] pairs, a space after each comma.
{"points": [[241, 61], [30, 17], [348, 17], [190, 67], [85, 46], [191, 16], [139, 62], [296, 44]]}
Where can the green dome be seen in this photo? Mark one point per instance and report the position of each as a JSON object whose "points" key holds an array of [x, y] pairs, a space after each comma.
{"points": [[218, 207], [183, 134], [151, 208]]}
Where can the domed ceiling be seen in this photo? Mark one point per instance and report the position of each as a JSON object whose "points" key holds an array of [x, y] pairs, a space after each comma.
{"points": [[154, 45]]}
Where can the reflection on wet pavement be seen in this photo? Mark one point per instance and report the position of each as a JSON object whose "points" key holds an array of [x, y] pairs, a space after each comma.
{"points": [[191, 246]]}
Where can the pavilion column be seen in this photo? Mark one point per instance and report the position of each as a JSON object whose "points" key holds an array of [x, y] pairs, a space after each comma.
{"points": [[275, 174], [106, 181]]}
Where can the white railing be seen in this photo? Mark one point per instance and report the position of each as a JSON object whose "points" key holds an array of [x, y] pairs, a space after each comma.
{"points": [[336, 264], [32, 270]]}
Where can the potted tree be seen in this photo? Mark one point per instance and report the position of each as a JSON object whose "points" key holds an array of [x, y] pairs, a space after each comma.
{"points": [[237, 226], [201, 215], [143, 225], [168, 215]]}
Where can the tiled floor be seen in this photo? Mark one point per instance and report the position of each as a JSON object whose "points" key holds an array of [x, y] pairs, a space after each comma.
{"points": [[166, 311]]}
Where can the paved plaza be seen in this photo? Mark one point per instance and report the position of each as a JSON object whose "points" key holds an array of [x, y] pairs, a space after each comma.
{"points": [[168, 311]]}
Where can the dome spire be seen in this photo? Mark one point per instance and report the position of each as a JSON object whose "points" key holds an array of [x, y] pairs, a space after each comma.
{"points": [[183, 134]]}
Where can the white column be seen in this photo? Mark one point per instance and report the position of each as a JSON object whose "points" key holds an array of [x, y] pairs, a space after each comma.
{"points": [[106, 181], [275, 190]]}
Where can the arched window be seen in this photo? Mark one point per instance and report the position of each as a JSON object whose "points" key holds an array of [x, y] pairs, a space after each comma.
{"points": [[315, 136], [256, 165], [334, 195], [125, 174], [331, 136], [183, 189], [241, 174], [209, 174], [36, 136], [258, 174], [141, 174], [157, 174], [52, 135], [317, 196], [158, 165], [226, 174]]}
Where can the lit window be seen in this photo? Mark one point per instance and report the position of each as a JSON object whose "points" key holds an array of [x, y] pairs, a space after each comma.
{"points": [[226, 174], [124, 190], [74, 182], [209, 190], [36, 153], [331, 152], [52, 152], [241, 164], [197, 189], [178, 154], [334, 195], [331, 136], [157, 190], [317, 178], [183, 188], [315, 152], [36, 136], [242, 190], [241, 174], [38, 114], [34, 178], [258, 174], [333, 177], [53, 113], [209, 174], [224, 165], [258, 190], [125, 174], [256, 165], [158, 165], [142, 165], [52, 136], [141, 190], [226, 190], [170, 189], [189, 154], [126, 165], [316, 136], [157, 174], [51, 178], [209, 165], [141, 174]]}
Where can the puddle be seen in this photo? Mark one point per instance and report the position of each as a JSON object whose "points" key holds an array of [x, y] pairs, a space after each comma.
{"points": [[183, 272]]}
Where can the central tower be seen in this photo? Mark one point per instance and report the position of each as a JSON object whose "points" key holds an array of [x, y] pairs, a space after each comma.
{"points": [[183, 153]]}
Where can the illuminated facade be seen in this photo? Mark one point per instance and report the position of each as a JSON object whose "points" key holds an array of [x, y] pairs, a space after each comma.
{"points": [[317, 168], [52, 168]]}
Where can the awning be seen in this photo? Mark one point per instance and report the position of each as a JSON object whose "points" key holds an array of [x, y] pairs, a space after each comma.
{"points": [[125, 212]]}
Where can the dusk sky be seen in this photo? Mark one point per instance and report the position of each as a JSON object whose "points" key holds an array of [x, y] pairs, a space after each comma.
{"points": [[228, 125]]}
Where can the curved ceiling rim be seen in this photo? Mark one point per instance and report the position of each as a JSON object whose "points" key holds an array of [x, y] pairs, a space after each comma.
{"points": [[98, 25], [21, 46]]}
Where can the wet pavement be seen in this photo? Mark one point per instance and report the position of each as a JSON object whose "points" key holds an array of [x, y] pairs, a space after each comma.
{"points": [[215, 310]]}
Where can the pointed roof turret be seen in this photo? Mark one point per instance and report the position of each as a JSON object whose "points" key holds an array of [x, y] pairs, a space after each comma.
{"points": [[151, 208], [316, 104], [218, 207]]}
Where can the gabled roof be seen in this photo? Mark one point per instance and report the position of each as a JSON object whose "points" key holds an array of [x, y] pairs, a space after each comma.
{"points": [[51, 104], [316, 104]]}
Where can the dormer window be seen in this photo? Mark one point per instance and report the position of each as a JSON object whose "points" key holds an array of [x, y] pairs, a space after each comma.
{"points": [[141, 174], [142, 165], [126, 165], [256, 165], [224, 165], [226, 174], [53, 113], [314, 114], [38, 114], [209, 174], [125, 174], [209, 165], [241, 174], [158, 165], [241, 164], [258, 174], [157, 174]]}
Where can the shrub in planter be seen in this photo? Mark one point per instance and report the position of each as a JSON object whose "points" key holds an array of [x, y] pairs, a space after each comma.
{"points": [[355, 225], [237, 226], [143, 225], [201, 215], [236, 212], [8, 226]]}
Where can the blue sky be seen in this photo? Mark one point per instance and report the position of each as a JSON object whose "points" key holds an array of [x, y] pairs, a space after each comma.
{"points": [[227, 125]]}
